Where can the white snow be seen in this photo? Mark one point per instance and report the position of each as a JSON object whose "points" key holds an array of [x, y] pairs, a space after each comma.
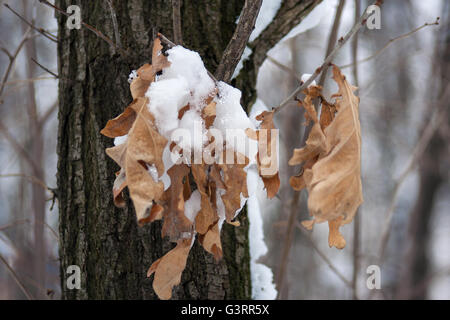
{"points": [[324, 9], [120, 140], [229, 116], [263, 287], [192, 206], [305, 78], [247, 52], [187, 65], [133, 75], [153, 172], [266, 14], [166, 99]]}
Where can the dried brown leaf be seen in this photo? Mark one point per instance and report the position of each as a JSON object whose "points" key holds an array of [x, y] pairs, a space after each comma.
{"points": [[332, 173], [207, 215], [168, 269], [176, 224]]}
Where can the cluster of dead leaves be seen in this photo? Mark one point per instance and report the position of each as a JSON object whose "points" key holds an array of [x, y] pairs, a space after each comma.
{"points": [[331, 159], [140, 159]]}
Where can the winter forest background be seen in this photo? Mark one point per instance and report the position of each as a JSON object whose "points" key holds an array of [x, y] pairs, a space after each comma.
{"points": [[404, 113]]}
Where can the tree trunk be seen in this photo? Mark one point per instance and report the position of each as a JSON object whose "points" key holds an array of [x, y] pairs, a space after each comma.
{"points": [[112, 252]]}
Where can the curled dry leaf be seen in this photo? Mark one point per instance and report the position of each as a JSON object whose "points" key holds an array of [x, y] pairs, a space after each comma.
{"points": [[235, 182], [265, 156], [176, 224], [207, 215], [332, 160], [168, 269]]}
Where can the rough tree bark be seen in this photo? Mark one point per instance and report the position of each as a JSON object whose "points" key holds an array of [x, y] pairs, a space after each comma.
{"points": [[105, 242]]}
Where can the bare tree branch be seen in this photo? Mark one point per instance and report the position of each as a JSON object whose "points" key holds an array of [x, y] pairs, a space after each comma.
{"points": [[42, 31], [357, 218], [19, 149], [26, 221], [391, 41], [45, 69], [362, 21], [87, 26], [12, 59], [332, 38], [420, 147], [176, 21], [289, 15], [16, 278], [236, 46], [324, 257], [115, 24]]}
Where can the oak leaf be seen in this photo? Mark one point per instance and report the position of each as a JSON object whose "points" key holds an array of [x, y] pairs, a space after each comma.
{"points": [[168, 269], [332, 157], [264, 156]]}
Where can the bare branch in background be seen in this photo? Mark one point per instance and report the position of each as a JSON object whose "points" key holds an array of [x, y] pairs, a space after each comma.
{"points": [[176, 21], [12, 59], [87, 26], [362, 21], [285, 68], [391, 41], [28, 221], [420, 147], [324, 257], [19, 149], [45, 69], [357, 218], [32, 179], [42, 31], [236, 46], [115, 24], [16, 278], [44, 118], [332, 38]]}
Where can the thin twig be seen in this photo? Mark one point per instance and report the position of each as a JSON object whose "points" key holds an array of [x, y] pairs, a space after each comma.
{"points": [[362, 21], [391, 41], [176, 22], [284, 68], [419, 149], [16, 278], [12, 59], [357, 218], [42, 31], [287, 245], [332, 38], [115, 24], [236, 46], [45, 69], [19, 149], [87, 26], [24, 221], [324, 257], [32, 179], [47, 114]]}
